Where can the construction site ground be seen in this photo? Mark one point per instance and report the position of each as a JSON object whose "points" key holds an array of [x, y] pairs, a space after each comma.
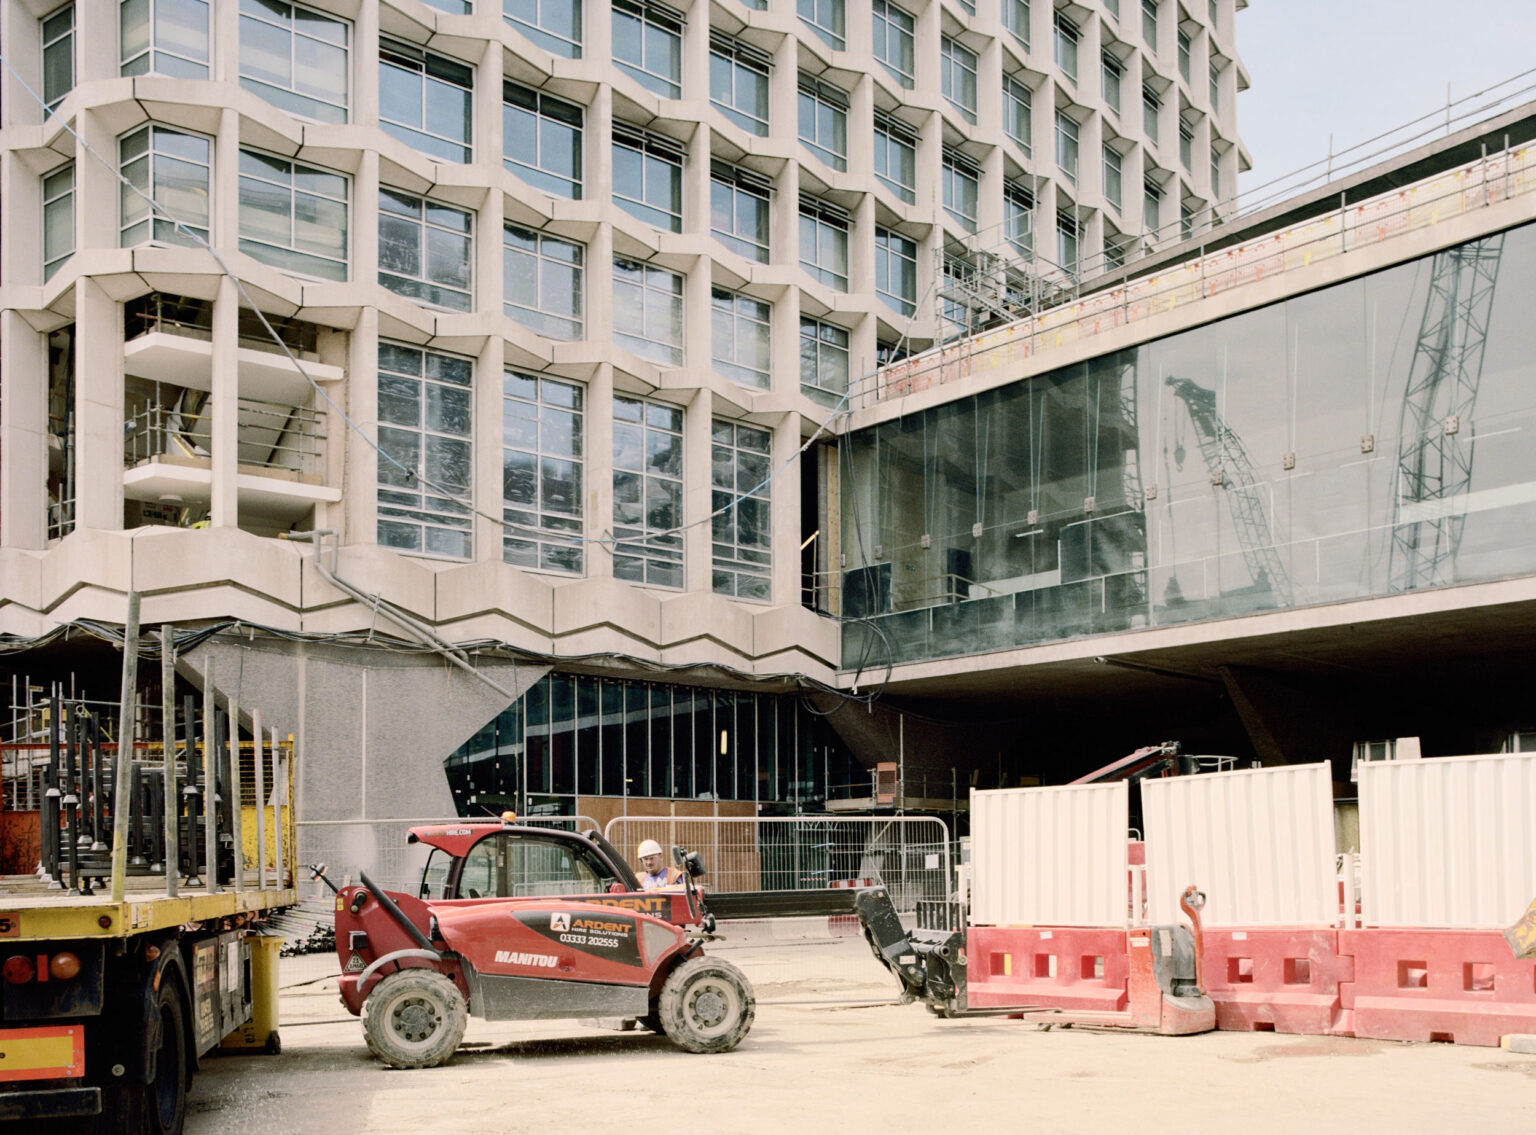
{"points": [[832, 1051]]}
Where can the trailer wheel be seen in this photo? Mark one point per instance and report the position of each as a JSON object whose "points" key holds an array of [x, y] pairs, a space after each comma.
{"points": [[165, 1101], [706, 1005], [414, 1019]]}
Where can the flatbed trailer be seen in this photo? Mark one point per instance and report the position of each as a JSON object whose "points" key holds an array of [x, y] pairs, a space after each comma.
{"points": [[139, 943]]}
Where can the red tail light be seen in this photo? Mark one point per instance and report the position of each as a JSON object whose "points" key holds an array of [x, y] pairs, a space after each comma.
{"points": [[18, 970], [64, 967]]}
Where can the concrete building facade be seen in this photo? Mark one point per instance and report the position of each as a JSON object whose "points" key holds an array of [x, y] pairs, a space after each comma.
{"points": [[355, 324]]}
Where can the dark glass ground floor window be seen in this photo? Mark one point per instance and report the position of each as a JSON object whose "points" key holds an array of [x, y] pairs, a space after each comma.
{"points": [[574, 736]]}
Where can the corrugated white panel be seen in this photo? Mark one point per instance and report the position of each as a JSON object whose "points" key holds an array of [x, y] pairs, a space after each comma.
{"points": [[1258, 842], [1448, 841], [1049, 856]]}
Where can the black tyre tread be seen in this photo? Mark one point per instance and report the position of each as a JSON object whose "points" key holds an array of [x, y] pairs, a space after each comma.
{"points": [[441, 993], [672, 1006]]}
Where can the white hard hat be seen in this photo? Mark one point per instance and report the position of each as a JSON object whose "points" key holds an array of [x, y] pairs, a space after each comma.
{"points": [[649, 847]]}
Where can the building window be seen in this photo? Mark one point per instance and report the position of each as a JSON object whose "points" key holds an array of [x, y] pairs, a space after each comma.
{"points": [[173, 169], [894, 41], [426, 451], [1112, 184], [824, 121], [541, 140], [1215, 87], [896, 270], [957, 77], [1114, 252], [295, 59], [1186, 220], [452, 7], [167, 37], [555, 25], [1019, 219], [824, 243], [1067, 37], [896, 158], [1066, 242], [1016, 20], [1018, 107], [425, 101], [739, 337], [293, 216], [1112, 72], [1152, 208], [647, 492], [738, 211], [742, 526], [648, 179], [58, 218], [1151, 107], [542, 282], [823, 357], [425, 250], [648, 312], [826, 19], [1186, 145], [738, 83], [1066, 145], [1215, 175], [58, 55], [1149, 24], [962, 189], [542, 428], [1184, 50], [648, 45]]}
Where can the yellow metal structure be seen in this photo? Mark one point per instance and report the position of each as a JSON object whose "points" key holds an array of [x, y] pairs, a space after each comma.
{"points": [[260, 1032]]}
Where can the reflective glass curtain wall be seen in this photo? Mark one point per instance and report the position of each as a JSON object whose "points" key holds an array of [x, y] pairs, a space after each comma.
{"points": [[574, 735], [1361, 440]]}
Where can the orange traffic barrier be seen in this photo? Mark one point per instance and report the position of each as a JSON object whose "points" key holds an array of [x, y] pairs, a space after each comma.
{"points": [[1057, 967]]}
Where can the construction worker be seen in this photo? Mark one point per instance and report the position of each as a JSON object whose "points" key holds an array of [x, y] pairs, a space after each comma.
{"points": [[655, 874]]}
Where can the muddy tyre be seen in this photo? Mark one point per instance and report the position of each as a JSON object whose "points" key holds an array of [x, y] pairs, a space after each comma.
{"points": [[706, 1005], [414, 1019]]}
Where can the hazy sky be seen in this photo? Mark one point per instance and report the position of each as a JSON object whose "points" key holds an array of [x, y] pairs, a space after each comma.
{"points": [[1356, 68]]}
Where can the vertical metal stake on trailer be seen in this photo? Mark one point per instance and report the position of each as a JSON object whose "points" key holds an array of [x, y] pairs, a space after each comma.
{"points": [[210, 784], [236, 820], [260, 741], [168, 755], [124, 776], [52, 797]]}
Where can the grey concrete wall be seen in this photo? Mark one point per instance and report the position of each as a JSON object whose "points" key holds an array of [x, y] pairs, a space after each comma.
{"points": [[371, 727]]}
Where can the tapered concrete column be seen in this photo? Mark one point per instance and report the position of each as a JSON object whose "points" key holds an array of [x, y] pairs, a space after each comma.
{"points": [[361, 501], [365, 66], [23, 434], [487, 453], [223, 405], [96, 52], [597, 161], [487, 106], [696, 491], [784, 490], [597, 471], [98, 408]]}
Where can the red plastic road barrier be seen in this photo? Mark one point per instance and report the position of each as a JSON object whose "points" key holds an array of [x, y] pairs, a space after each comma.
{"points": [[1059, 967], [1449, 985], [1274, 979]]}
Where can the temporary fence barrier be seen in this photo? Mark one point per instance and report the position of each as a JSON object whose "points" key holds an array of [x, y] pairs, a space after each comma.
{"points": [[1059, 967], [1447, 985], [1446, 842], [1281, 980], [1050, 856], [1258, 842]]}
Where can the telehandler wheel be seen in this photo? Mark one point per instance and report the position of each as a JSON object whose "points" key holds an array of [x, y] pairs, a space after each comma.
{"points": [[414, 1019], [706, 1005]]}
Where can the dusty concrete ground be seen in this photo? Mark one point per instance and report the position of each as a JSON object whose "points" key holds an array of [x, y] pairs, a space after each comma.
{"points": [[810, 1066]]}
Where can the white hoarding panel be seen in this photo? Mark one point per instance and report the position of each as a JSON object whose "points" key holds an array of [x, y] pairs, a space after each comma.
{"points": [[1049, 856], [1448, 841], [1258, 842]]}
